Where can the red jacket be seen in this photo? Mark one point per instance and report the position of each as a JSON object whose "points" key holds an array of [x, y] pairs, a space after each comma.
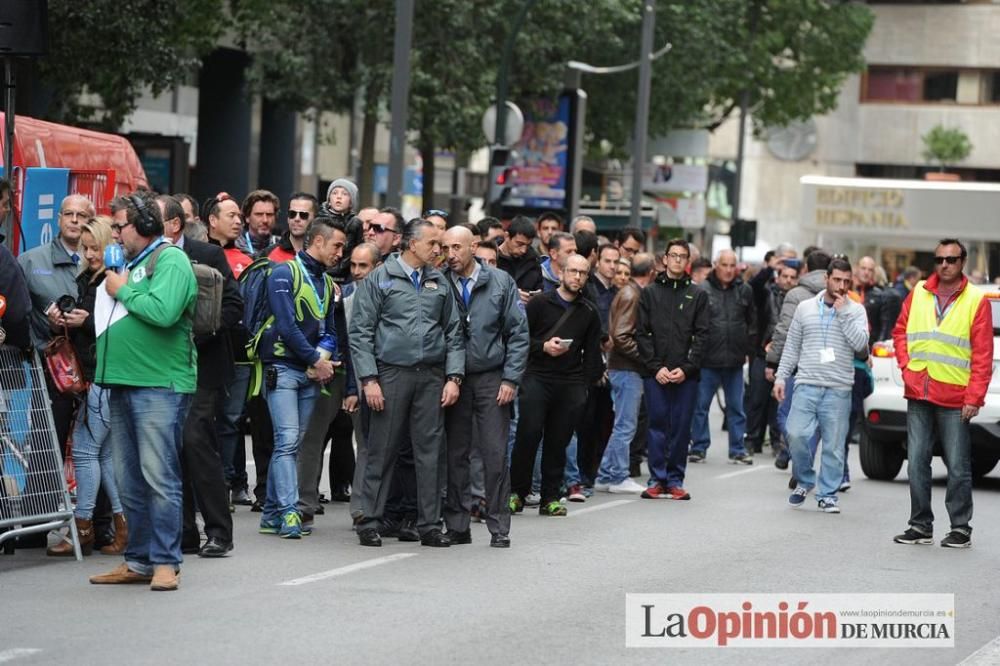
{"points": [[919, 385]]}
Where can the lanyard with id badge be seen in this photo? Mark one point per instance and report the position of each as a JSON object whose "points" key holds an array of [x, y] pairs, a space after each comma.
{"points": [[826, 353]]}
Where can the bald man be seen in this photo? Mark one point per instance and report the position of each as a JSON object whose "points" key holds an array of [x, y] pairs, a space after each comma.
{"points": [[50, 271], [731, 339], [496, 353], [879, 303]]}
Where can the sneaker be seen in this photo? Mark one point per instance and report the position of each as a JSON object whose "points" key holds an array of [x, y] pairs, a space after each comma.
{"points": [[602, 487], [829, 505], [677, 493], [515, 503], [741, 459], [911, 537], [575, 493], [551, 509], [845, 485], [628, 486], [307, 524], [242, 498], [269, 525], [291, 526], [956, 539], [533, 499], [798, 497], [588, 491], [696, 457]]}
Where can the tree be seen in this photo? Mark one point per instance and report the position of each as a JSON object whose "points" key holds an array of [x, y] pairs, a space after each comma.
{"points": [[946, 146], [791, 56], [114, 49]]}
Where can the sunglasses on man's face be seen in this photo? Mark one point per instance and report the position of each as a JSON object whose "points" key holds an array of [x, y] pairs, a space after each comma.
{"points": [[301, 214], [380, 229], [951, 260]]}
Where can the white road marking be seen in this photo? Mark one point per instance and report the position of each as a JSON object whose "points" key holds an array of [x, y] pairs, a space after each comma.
{"points": [[16, 653], [988, 654], [600, 507], [350, 568], [755, 468]]}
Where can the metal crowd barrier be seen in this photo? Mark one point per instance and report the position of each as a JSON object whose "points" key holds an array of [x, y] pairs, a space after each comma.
{"points": [[33, 493]]}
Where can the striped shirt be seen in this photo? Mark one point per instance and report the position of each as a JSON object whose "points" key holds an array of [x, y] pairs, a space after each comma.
{"points": [[822, 343]]}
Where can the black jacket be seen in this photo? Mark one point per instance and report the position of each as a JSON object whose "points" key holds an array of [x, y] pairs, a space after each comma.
{"points": [[13, 287], [84, 337], [582, 363], [672, 327], [733, 326], [215, 353], [882, 307], [525, 270]]}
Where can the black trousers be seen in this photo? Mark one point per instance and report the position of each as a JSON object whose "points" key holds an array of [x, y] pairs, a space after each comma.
{"points": [[760, 407], [637, 449], [477, 422], [205, 487], [341, 436], [592, 432], [262, 438], [549, 411]]}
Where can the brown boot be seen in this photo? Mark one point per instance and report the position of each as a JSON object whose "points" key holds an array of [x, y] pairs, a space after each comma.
{"points": [[164, 578], [85, 528], [117, 547], [120, 575]]}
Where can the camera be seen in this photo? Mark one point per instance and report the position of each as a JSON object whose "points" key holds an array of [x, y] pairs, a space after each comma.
{"points": [[66, 304]]}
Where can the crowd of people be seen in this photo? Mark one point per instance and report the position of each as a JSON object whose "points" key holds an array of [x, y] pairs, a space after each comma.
{"points": [[457, 372]]}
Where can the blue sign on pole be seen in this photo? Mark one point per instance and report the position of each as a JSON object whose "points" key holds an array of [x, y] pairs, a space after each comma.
{"points": [[44, 190]]}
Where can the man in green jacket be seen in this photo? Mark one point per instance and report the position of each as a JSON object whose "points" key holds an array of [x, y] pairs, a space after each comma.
{"points": [[147, 358]]}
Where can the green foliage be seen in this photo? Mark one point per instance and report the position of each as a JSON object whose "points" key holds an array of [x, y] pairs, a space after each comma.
{"points": [[113, 48], [945, 146]]}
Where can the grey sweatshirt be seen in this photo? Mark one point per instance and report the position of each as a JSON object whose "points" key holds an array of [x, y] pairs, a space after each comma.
{"points": [[815, 327]]}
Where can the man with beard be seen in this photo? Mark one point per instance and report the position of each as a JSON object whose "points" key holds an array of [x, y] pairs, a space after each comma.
{"points": [[825, 334], [564, 361]]}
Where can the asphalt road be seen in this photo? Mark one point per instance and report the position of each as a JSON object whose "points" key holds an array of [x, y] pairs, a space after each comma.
{"points": [[556, 597]]}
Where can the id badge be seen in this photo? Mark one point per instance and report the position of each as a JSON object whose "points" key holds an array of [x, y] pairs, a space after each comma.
{"points": [[826, 355]]}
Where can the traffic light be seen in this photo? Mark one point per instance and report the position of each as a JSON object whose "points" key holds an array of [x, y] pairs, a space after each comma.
{"points": [[503, 178], [743, 233]]}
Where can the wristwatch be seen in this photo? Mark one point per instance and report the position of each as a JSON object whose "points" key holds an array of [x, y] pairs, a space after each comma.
{"points": [[455, 378]]}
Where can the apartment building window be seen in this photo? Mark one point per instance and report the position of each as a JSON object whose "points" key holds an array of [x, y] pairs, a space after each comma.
{"points": [[991, 88], [909, 84]]}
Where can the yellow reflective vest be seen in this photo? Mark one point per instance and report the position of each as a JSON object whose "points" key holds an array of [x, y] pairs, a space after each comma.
{"points": [[944, 349]]}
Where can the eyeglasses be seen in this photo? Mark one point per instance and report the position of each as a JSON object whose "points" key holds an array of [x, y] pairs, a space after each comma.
{"points": [[379, 228], [301, 214], [575, 271], [435, 212], [117, 228], [951, 260], [678, 257]]}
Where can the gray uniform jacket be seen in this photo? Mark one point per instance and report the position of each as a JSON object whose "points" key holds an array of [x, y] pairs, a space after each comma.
{"points": [[391, 322], [50, 273], [494, 325]]}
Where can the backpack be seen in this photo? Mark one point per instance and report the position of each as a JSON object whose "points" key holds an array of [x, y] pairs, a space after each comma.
{"points": [[207, 319], [257, 315]]}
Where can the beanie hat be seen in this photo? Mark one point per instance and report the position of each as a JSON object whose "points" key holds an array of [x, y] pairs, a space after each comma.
{"points": [[348, 185]]}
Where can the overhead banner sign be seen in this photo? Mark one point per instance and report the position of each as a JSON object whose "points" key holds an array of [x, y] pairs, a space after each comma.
{"points": [[875, 207], [675, 178], [542, 161]]}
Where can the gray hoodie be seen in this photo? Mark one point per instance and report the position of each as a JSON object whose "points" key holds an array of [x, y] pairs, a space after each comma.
{"points": [[811, 284]]}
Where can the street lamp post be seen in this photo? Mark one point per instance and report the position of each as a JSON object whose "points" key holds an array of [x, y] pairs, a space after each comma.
{"points": [[642, 111]]}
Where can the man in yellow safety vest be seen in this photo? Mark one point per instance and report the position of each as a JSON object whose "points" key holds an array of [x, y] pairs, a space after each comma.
{"points": [[944, 347]]}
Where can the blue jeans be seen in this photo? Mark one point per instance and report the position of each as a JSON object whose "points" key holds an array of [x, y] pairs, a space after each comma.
{"points": [[731, 380], [92, 454], [823, 410], [291, 404], [782, 418], [147, 426], [571, 475], [670, 407], [953, 432], [626, 393], [228, 420]]}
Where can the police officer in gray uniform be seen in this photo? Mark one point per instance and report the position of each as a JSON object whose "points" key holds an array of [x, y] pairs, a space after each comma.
{"points": [[497, 341], [407, 346]]}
